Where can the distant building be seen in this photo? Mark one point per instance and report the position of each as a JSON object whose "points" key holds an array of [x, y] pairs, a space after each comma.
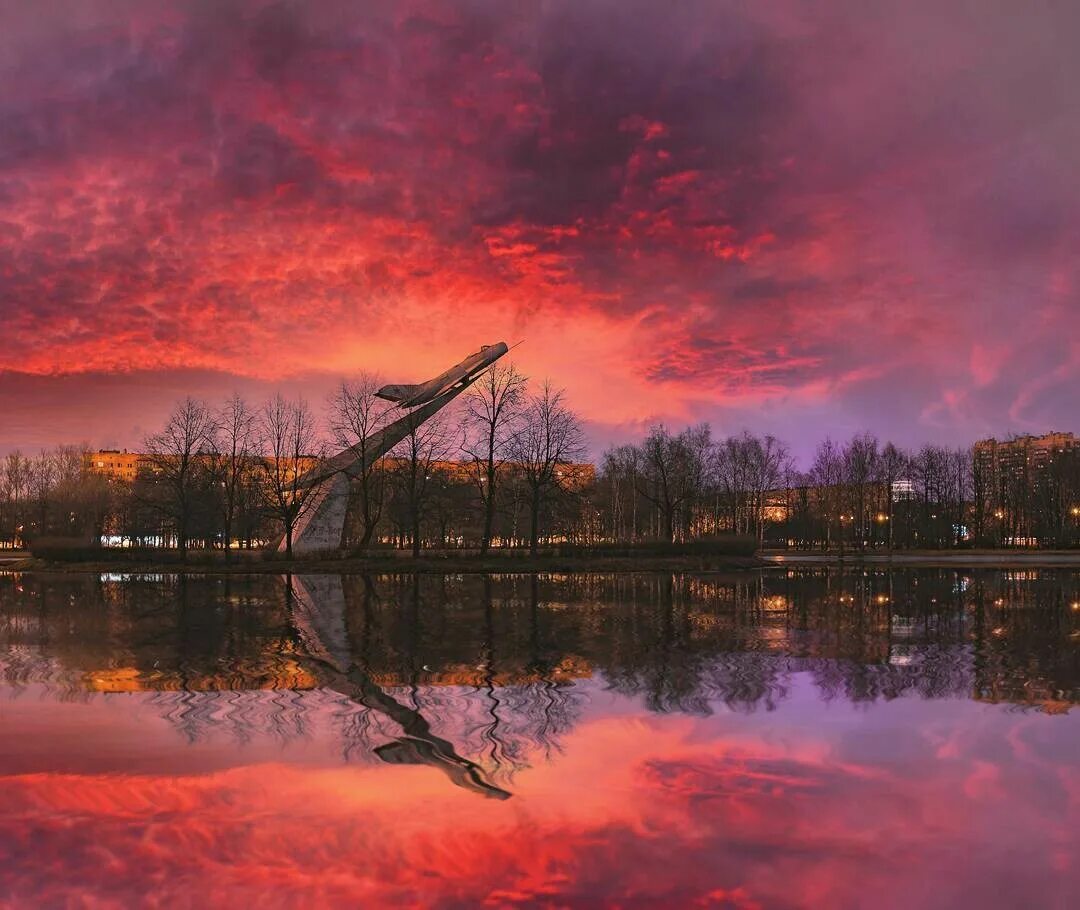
{"points": [[1020, 457], [903, 490], [122, 465], [1016, 483], [115, 464]]}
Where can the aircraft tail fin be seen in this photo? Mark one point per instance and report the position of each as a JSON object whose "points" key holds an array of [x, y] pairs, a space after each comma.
{"points": [[397, 392]]}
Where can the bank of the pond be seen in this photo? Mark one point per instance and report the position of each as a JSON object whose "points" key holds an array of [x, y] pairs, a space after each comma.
{"points": [[1004, 559], [399, 565], [403, 564]]}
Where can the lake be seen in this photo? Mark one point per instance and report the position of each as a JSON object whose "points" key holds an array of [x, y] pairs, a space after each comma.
{"points": [[792, 737]]}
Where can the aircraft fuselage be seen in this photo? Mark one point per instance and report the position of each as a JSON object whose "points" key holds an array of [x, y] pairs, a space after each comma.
{"points": [[411, 396]]}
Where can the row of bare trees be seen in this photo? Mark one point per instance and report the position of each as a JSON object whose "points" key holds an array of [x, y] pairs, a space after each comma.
{"points": [[51, 490], [218, 475], [675, 486], [858, 493], [502, 468], [497, 466], [861, 493]]}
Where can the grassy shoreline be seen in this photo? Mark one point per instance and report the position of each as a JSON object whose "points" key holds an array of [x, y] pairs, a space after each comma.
{"points": [[398, 565], [985, 558], [397, 562]]}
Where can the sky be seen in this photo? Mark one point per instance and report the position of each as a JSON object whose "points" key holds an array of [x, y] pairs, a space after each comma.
{"points": [[797, 218]]}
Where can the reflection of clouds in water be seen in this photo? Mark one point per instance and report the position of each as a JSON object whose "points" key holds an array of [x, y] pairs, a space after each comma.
{"points": [[656, 812]]}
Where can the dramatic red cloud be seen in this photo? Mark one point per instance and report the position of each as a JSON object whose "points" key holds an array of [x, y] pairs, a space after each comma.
{"points": [[799, 219], [634, 814]]}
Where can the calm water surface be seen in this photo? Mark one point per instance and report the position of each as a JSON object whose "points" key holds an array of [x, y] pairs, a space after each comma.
{"points": [[804, 738]]}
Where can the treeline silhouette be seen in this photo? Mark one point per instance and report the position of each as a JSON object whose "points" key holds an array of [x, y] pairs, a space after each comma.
{"points": [[500, 468], [505, 469], [856, 494]]}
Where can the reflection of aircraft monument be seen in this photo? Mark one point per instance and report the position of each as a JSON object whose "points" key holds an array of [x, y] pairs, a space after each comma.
{"points": [[409, 396], [318, 613], [321, 527]]}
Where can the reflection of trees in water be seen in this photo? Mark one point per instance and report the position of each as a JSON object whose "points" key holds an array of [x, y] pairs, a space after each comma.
{"points": [[498, 698], [746, 682], [690, 642], [529, 726], [22, 668], [241, 716], [936, 673], [491, 664], [508, 727]]}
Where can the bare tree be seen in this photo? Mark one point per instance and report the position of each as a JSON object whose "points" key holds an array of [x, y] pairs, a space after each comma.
{"points": [[16, 488], [71, 462], [746, 469], [621, 474], [770, 465], [493, 412], [417, 455], [235, 432], [87, 501], [894, 464], [174, 458], [42, 477], [550, 438], [731, 469], [356, 415], [827, 473], [959, 491], [670, 469], [290, 446], [861, 468], [698, 476]]}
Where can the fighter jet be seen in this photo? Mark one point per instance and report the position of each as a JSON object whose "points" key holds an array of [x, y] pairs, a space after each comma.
{"points": [[410, 396]]}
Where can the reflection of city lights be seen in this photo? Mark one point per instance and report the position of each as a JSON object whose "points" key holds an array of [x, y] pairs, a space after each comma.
{"points": [[882, 599], [1076, 605], [1000, 602], [1000, 630], [775, 603], [999, 514], [882, 517]]}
